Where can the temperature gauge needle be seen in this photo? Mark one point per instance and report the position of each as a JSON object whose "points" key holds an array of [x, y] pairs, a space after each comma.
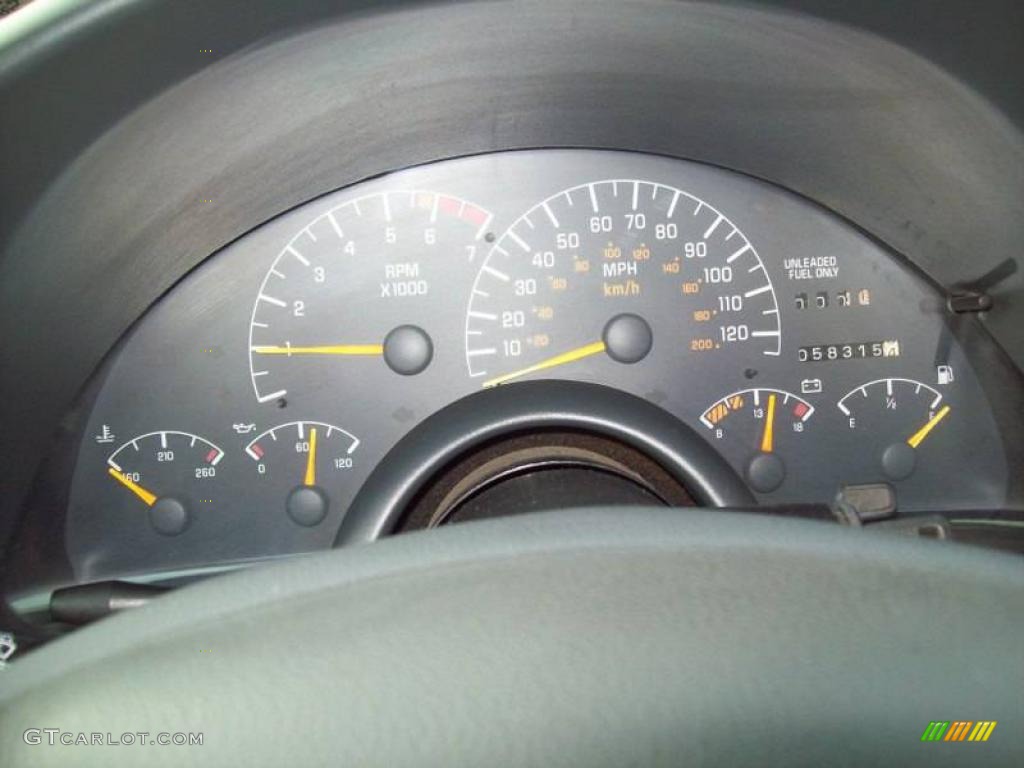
{"points": [[310, 478], [148, 498], [571, 356], [918, 437], [768, 437], [336, 349]]}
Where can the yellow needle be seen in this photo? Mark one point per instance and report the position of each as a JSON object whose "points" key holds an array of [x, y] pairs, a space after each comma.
{"points": [[311, 459], [768, 438], [337, 349], [566, 357], [131, 485], [918, 437]]}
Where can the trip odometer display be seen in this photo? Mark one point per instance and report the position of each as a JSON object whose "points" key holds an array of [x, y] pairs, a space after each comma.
{"points": [[615, 268]]}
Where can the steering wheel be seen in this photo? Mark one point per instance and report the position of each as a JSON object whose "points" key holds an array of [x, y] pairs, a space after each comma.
{"points": [[592, 637]]}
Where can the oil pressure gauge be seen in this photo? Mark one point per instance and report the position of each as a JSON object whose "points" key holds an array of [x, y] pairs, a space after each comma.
{"points": [[305, 464]]}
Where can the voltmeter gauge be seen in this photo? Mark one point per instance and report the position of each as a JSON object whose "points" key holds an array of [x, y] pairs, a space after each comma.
{"points": [[899, 416], [305, 464], [762, 426], [172, 473]]}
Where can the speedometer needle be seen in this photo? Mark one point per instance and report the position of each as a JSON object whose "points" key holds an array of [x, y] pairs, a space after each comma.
{"points": [[336, 349], [310, 478], [566, 357], [148, 498], [768, 437]]}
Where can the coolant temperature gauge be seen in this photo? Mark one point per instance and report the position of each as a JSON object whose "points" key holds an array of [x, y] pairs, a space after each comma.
{"points": [[900, 415], [170, 472], [767, 423], [305, 463]]}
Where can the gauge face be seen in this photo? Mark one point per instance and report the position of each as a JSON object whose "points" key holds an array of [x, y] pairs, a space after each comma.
{"points": [[305, 463], [766, 427], [899, 416], [552, 287], [171, 473], [354, 290]]}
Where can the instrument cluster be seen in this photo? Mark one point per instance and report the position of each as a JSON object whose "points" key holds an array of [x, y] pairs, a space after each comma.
{"points": [[242, 414]]}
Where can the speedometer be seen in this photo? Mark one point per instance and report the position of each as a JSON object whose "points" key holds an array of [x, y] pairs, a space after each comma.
{"points": [[612, 268]]}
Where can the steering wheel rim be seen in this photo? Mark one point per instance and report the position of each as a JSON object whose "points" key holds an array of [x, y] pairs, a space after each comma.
{"points": [[591, 637]]}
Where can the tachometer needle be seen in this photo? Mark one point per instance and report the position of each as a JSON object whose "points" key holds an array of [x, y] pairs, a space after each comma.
{"points": [[566, 357], [918, 437], [768, 437], [311, 459], [148, 498], [337, 349]]}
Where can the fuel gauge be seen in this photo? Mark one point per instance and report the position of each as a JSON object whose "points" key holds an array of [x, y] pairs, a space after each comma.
{"points": [[305, 463], [767, 423], [900, 415]]}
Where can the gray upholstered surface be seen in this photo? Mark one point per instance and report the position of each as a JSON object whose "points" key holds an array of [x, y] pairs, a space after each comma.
{"points": [[585, 638]]}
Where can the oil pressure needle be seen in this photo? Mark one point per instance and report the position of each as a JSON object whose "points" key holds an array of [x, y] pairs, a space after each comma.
{"points": [[336, 349], [310, 478], [587, 350], [148, 498], [768, 437], [918, 437]]}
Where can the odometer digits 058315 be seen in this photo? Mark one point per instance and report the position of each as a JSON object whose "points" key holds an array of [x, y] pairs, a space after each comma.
{"points": [[607, 270]]}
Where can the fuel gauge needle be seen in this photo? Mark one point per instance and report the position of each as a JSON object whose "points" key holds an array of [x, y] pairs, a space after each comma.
{"points": [[335, 349], [310, 478], [768, 437], [148, 498], [566, 357], [918, 437]]}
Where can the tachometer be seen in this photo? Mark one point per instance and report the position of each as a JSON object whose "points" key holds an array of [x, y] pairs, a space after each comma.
{"points": [[611, 268], [359, 287]]}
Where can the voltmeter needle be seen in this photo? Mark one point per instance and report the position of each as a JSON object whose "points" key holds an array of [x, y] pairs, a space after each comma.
{"points": [[768, 437]]}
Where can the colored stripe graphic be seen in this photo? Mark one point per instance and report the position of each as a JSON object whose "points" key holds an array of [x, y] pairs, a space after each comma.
{"points": [[959, 730], [982, 730]]}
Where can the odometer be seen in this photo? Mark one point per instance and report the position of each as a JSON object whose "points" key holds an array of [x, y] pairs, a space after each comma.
{"points": [[609, 267]]}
